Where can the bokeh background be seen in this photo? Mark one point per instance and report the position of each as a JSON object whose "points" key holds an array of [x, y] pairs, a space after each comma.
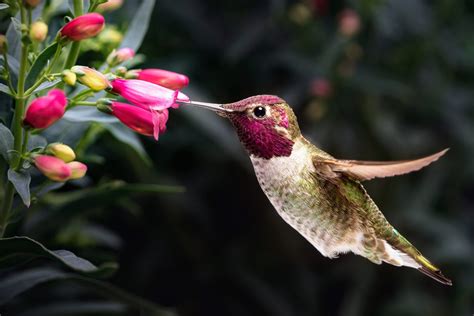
{"points": [[369, 80]]}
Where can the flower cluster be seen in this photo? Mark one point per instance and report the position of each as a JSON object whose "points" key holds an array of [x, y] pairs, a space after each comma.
{"points": [[57, 163], [149, 93]]}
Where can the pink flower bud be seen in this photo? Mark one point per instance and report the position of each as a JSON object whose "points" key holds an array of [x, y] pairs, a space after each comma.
{"points": [[321, 88], [147, 95], [119, 56], [84, 26], [165, 78], [46, 110], [349, 22], [78, 170], [32, 3], [53, 168]]}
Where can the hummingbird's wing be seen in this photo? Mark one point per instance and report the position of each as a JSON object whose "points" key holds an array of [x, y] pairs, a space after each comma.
{"points": [[367, 170]]}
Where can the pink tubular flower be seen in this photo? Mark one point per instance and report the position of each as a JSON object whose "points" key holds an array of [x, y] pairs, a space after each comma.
{"points": [[46, 110], [165, 78], [53, 168], [147, 95], [140, 120], [119, 56], [84, 26]]}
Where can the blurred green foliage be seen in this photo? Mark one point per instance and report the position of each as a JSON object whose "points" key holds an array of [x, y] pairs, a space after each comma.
{"points": [[400, 88]]}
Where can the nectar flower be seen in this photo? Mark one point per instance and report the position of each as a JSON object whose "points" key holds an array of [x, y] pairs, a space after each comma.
{"points": [[61, 151], [165, 78], [91, 78], [78, 170], [46, 110], [53, 168], [136, 118], [147, 95], [38, 31], [84, 26], [119, 56]]}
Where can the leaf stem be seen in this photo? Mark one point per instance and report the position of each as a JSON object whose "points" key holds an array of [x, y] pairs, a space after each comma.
{"points": [[75, 47]]}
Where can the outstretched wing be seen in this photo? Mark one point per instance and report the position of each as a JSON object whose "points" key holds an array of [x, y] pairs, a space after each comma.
{"points": [[367, 170]]}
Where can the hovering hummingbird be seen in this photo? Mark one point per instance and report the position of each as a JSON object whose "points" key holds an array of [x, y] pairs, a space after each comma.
{"points": [[320, 196]]}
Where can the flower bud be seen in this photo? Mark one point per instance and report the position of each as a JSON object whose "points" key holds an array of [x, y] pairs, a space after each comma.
{"points": [[61, 151], [84, 26], [38, 31], [91, 78], [165, 78], [53, 168], [110, 36], [321, 88], [140, 120], [69, 77], [349, 23], [44, 111], [147, 95], [78, 170], [119, 56], [3, 44], [32, 3], [110, 5]]}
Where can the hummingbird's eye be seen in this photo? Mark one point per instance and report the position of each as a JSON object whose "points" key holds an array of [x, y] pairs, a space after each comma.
{"points": [[259, 112]]}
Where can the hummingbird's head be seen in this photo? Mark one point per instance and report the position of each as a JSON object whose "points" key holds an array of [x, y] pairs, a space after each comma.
{"points": [[265, 124]]}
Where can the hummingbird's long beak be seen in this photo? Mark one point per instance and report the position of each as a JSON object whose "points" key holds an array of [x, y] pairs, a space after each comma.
{"points": [[210, 106]]}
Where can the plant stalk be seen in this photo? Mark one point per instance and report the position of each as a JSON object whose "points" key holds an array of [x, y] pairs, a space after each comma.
{"points": [[17, 131]]}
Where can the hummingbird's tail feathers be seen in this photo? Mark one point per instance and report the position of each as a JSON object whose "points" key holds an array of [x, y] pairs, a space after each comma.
{"points": [[436, 275]]}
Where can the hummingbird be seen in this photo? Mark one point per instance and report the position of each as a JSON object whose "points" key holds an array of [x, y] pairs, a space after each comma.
{"points": [[320, 196]]}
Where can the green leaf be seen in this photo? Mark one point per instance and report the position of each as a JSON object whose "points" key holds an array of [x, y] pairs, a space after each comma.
{"points": [[14, 37], [21, 282], [13, 64], [88, 114], [6, 142], [40, 63], [104, 194], [46, 85], [20, 249], [36, 141], [21, 181], [139, 26], [4, 6], [77, 308], [128, 137], [5, 89]]}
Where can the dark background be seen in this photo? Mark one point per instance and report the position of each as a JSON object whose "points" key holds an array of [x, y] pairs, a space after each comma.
{"points": [[400, 87]]}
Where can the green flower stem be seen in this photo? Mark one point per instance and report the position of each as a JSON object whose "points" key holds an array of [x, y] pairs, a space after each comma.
{"points": [[87, 103], [17, 131], [76, 46]]}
